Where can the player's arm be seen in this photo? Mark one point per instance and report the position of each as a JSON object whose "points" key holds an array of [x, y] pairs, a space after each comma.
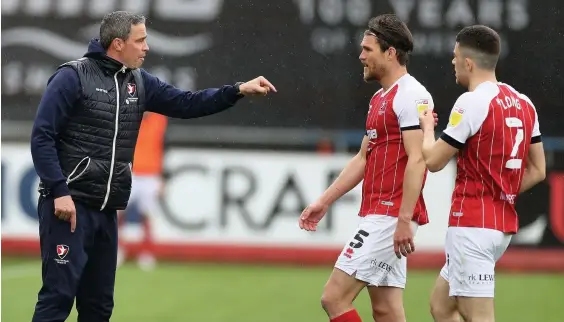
{"points": [[349, 177], [407, 109], [535, 171], [437, 153], [414, 173], [465, 119]]}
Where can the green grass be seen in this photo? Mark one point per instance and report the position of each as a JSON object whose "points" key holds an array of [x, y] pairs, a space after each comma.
{"points": [[213, 293]]}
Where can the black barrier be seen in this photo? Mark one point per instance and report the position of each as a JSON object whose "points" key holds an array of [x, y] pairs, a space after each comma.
{"points": [[308, 48]]}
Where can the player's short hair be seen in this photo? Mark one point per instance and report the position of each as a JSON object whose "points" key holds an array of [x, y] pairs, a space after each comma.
{"points": [[118, 24], [480, 43], [392, 32]]}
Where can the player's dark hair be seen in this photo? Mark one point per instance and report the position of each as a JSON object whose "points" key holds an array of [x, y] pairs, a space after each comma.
{"points": [[392, 32], [118, 24], [482, 44]]}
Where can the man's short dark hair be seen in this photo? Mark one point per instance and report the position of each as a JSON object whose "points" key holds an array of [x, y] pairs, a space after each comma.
{"points": [[480, 43], [392, 32], [118, 24]]}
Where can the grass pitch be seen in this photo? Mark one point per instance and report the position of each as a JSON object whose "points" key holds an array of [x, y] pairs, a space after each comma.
{"points": [[177, 292]]}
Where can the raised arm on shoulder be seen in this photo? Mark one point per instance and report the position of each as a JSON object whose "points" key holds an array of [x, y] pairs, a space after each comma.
{"points": [[168, 100], [465, 119], [63, 89]]}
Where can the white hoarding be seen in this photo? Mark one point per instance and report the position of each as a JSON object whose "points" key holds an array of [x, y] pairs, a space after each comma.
{"points": [[226, 197]]}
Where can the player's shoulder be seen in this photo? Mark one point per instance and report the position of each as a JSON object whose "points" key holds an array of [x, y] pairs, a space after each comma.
{"points": [[411, 93], [466, 99], [480, 97], [519, 94], [410, 89], [411, 86]]}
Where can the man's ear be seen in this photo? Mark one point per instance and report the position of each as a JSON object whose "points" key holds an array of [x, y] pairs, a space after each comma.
{"points": [[118, 44], [469, 64], [391, 53]]}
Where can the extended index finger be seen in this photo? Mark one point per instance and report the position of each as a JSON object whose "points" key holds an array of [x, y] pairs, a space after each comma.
{"points": [[73, 221], [269, 84]]}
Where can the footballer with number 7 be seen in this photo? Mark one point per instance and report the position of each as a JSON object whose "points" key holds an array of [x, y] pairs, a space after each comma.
{"points": [[494, 129]]}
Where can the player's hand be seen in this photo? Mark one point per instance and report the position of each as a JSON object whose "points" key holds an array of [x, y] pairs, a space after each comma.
{"points": [[65, 210], [428, 120], [403, 239], [259, 86], [311, 216]]}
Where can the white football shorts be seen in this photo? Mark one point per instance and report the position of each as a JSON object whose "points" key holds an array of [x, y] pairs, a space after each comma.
{"points": [[471, 254], [369, 255], [145, 193]]}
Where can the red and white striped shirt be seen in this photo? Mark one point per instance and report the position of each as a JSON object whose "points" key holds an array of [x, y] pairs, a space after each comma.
{"points": [[493, 127], [389, 114]]}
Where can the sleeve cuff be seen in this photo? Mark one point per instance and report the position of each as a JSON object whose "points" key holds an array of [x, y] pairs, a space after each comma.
{"points": [[452, 142], [412, 127], [60, 190], [231, 94], [536, 139]]}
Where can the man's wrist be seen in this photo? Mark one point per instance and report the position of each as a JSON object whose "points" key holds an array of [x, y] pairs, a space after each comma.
{"points": [[60, 189], [325, 200], [238, 88], [330, 196], [405, 217]]}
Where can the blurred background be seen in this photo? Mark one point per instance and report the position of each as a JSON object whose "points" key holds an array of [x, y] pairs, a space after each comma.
{"points": [[222, 242]]}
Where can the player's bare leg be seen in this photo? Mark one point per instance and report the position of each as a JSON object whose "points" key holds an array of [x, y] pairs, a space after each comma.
{"points": [[146, 259], [339, 294], [387, 303], [121, 252], [474, 309], [443, 307]]}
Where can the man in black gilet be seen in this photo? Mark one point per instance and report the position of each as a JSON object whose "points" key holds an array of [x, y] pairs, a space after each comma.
{"points": [[82, 147]]}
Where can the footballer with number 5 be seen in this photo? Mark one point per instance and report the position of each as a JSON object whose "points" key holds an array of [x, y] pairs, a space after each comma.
{"points": [[495, 131], [392, 166]]}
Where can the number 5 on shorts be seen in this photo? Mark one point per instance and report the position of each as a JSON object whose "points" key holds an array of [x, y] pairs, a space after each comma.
{"points": [[359, 239]]}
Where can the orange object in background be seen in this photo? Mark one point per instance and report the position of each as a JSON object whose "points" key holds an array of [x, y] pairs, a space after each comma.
{"points": [[148, 157], [325, 146]]}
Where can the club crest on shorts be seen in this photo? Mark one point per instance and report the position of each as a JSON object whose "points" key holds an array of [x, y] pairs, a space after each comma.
{"points": [[62, 251], [131, 89]]}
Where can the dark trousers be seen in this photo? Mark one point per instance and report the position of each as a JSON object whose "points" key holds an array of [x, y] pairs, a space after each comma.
{"points": [[79, 265]]}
